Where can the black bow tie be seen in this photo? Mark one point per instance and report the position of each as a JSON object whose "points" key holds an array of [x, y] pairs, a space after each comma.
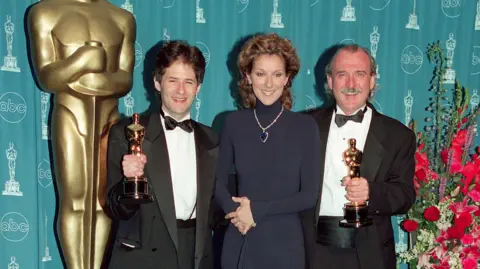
{"points": [[341, 120], [171, 123]]}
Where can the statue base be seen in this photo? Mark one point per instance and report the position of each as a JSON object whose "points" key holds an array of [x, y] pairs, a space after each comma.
{"points": [[135, 191], [276, 21], [348, 14], [449, 76], [10, 64], [356, 216]]}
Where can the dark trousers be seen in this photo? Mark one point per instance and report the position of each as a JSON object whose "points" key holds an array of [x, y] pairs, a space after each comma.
{"points": [[186, 248], [335, 258]]}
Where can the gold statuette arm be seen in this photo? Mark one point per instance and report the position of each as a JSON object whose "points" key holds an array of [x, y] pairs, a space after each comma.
{"points": [[54, 74], [118, 82], [85, 70]]}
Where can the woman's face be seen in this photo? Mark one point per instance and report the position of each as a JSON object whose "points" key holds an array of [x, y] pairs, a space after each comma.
{"points": [[268, 78]]}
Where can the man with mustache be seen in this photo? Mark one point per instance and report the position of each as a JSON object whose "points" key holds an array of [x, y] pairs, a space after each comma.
{"points": [[386, 172]]}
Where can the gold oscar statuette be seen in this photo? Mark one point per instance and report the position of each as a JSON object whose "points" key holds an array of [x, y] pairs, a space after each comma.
{"points": [[135, 189], [355, 213], [82, 53]]}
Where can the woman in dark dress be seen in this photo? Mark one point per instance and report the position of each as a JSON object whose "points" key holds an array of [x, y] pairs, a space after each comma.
{"points": [[275, 154]]}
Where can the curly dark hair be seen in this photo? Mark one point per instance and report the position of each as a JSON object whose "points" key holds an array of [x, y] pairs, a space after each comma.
{"points": [[180, 50], [270, 44]]}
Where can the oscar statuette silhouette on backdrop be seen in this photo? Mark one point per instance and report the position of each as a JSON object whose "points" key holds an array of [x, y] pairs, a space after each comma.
{"points": [[83, 52]]}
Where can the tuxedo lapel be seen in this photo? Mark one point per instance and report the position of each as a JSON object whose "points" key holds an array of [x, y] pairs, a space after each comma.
{"points": [[369, 255], [158, 169], [205, 179], [323, 118], [374, 151]]}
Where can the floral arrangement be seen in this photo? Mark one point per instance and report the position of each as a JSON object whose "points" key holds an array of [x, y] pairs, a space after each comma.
{"points": [[443, 224]]}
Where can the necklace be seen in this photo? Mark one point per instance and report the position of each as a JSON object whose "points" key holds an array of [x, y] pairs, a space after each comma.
{"points": [[264, 134]]}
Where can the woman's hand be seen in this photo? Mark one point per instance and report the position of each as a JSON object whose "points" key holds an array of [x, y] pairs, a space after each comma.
{"points": [[242, 218]]}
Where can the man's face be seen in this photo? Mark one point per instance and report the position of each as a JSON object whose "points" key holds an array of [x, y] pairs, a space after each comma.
{"points": [[178, 87], [351, 80]]}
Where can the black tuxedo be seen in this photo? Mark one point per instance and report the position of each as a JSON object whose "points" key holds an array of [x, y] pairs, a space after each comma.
{"points": [[146, 235], [388, 165]]}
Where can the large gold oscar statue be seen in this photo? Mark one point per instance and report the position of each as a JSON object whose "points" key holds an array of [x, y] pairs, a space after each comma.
{"points": [[83, 52]]}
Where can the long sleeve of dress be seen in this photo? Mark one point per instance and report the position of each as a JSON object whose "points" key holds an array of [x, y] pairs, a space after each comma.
{"points": [[309, 180], [224, 165]]}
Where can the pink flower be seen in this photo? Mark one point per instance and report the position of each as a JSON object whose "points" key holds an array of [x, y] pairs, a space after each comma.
{"points": [[469, 263], [477, 213], [469, 257], [460, 207], [440, 258], [424, 261], [439, 252], [467, 239], [475, 195], [443, 264], [475, 233], [442, 237]]}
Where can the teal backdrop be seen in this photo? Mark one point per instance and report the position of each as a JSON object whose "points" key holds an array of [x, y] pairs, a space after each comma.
{"points": [[397, 32]]}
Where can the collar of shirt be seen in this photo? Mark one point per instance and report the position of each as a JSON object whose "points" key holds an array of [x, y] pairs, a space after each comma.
{"points": [[186, 117], [338, 110]]}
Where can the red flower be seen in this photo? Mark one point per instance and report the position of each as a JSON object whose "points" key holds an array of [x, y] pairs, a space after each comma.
{"points": [[454, 156], [467, 239], [422, 145], [463, 220], [421, 175], [456, 232], [410, 225], [477, 213], [469, 171], [460, 138], [431, 213], [417, 186], [421, 159]]}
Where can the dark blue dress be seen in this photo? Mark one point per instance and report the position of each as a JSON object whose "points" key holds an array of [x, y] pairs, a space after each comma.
{"points": [[281, 177]]}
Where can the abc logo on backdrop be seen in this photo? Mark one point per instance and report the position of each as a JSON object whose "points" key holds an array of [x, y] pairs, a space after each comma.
{"points": [[14, 227], [13, 107]]}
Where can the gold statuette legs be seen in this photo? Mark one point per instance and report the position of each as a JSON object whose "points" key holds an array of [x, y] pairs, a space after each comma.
{"points": [[82, 52]]}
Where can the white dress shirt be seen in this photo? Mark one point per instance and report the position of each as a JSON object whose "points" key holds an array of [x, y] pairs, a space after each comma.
{"points": [[183, 167], [333, 193]]}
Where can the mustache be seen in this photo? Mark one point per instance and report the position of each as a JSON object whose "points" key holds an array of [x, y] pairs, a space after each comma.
{"points": [[350, 90]]}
